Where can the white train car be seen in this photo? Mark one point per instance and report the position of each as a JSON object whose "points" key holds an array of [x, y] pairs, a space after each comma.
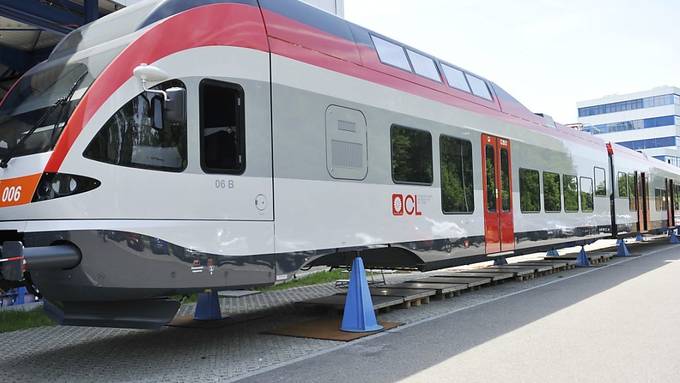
{"points": [[177, 146]]}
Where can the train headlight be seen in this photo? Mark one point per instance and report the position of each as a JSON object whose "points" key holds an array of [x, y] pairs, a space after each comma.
{"points": [[57, 185]]}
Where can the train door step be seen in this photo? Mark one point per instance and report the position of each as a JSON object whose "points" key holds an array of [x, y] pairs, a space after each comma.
{"points": [[445, 290], [337, 302], [495, 277], [472, 283]]}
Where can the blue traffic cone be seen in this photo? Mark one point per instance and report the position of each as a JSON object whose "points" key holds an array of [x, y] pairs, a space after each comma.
{"points": [[208, 306], [582, 259], [359, 315], [674, 237], [552, 253], [500, 261], [621, 249], [638, 237]]}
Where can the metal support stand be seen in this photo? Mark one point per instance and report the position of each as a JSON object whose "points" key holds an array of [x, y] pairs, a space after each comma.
{"points": [[621, 249], [638, 238], [359, 315], [582, 259], [674, 237], [552, 253], [500, 261], [208, 306], [21, 296]]}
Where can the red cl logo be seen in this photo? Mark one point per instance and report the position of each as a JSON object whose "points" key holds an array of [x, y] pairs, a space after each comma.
{"points": [[405, 205]]}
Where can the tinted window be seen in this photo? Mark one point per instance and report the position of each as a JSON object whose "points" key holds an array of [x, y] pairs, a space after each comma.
{"points": [[552, 192], [490, 178], [222, 128], [632, 188], [622, 180], [391, 53], [570, 194], [411, 155], [456, 175], [600, 182], [660, 200], [505, 180], [424, 66], [478, 86], [456, 78], [586, 194], [529, 191], [139, 135]]}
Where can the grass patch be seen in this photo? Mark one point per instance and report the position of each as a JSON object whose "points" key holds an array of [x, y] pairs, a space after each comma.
{"points": [[312, 279], [22, 320]]}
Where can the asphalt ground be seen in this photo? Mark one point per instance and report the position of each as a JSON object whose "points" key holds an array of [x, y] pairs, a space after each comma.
{"points": [[615, 323], [612, 323]]}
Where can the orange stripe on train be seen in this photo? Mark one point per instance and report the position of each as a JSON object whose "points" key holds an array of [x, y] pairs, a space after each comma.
{"points": [[18, 191]]}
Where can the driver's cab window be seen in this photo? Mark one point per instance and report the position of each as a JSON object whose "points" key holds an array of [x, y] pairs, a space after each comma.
{"points": [[222, 128], [149, 132]]}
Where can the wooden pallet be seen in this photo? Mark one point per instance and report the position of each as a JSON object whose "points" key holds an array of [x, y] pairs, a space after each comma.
{"points": [[411, 297], [472, 283], [496, 277], [521, 273], [442, 290]]}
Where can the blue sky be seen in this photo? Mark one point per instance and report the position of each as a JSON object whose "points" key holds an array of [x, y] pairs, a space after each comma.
{"points": [[549, 54]]}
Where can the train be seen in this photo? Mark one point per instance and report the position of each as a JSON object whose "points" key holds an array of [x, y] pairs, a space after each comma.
{"points": [[176, 146]]}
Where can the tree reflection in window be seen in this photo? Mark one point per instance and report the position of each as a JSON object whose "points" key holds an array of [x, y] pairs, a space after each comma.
{"points": [[632, 190], [411, 155], [622, 180], [130, 139], [552, 192], [529, 191], [570, 194], [505, 180], [586, 194], [456, 175], [600, 182]]}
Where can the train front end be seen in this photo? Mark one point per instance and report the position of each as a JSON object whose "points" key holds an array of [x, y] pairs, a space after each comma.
{"points": [[105, 210]]}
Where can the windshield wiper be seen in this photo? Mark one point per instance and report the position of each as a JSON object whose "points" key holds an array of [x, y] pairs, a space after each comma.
{"points": [[60, 103]]}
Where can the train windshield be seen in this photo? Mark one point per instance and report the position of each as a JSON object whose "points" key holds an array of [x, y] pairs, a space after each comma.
{"points": [[36, 110]]}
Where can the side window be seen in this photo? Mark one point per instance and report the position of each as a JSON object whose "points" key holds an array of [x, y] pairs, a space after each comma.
{"points": [[622, 180], [411, 155], [147, 132], [660, 200], [456, 175], [676, 197], [391, 53], [424, 66], [222, 128], [346, 149], [529, 191], [570, 194], [552, 192], [587, 194], [505, 180], [632, 187], [478, 86], [456, 78], [600, 182]]}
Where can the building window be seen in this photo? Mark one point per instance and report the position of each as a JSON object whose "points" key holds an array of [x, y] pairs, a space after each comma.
{"points": [[222, 128], [456, 175], [143, 135], [600, 182], [478, 86], [411, 155], [391, 53], [587, 204], [424, 66], [640, 103], [570, 194], [552, 192], [529, 191], [456, 78], [622, 180]]}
